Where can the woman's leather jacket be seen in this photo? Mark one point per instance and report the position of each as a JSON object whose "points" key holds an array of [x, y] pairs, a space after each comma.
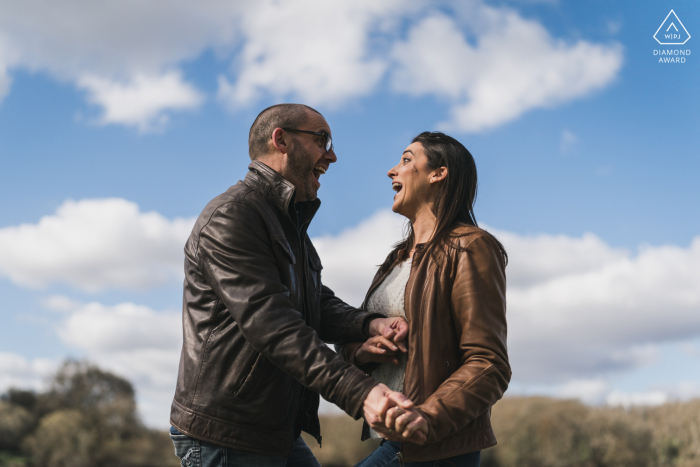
{"points": [[457, 365]]}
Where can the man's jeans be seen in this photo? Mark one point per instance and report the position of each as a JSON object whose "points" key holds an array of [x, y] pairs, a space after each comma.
{"points": [[197, 453], [387, 455]]}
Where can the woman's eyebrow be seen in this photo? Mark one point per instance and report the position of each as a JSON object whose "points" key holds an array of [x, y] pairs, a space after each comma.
{"points": [[407, 150]]}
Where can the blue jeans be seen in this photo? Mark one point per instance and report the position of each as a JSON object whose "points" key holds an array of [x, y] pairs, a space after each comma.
{"points": [[197, 453], [387, 455]]}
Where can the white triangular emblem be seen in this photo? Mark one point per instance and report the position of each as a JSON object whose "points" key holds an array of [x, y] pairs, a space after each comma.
{"points": [[668, 33]]}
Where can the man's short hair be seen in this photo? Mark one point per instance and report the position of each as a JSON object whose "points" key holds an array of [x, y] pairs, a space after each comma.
{"points": [[276, 116]]}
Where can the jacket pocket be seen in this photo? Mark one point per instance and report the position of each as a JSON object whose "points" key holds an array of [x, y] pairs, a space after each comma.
{"points": [[281, 245], [315, 272], [255, 378]]}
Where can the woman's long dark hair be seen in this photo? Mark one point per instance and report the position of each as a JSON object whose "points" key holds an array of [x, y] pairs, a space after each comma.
{"points": [[455, 197]]}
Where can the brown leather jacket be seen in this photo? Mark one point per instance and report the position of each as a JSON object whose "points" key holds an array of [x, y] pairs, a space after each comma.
{"points": [[457, 364], [255, 317]]}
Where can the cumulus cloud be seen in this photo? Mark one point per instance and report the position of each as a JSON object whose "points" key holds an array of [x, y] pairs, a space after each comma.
{"points": [[143, 102], [579, 310], [130, 340], [318, 51], [127, 55], [628, 399], [103, 329], [577, 307], [512, 65], [122, 54], [95, 244], [350, 259], [18, 372]]}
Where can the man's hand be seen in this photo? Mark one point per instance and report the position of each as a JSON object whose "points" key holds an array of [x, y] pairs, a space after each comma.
{"points": [[378, 401], [377, 349], [393, 329]]}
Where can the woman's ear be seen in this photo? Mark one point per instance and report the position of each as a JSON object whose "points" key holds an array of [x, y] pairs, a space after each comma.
{"points": [[438, 175]]}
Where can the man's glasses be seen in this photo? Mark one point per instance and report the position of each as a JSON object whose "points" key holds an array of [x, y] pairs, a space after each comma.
{"points": [[327, 138]]}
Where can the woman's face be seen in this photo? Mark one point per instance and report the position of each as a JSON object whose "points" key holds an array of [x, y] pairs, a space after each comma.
{"points": [[411, 180]]}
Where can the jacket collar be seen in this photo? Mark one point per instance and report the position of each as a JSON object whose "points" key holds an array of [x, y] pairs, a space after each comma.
{"points": [[278, 190]]}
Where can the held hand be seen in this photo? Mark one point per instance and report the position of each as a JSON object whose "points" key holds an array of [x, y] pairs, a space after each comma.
{"points": [[394, 329], [377, 349], [378, 401], [405, 425]]}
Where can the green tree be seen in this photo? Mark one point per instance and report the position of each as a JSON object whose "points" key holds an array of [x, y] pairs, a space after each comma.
{"points": [[15, 423], [89, 419]]}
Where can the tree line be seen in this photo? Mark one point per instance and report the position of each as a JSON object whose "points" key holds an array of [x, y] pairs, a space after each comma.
{"points": [[88, 418]]}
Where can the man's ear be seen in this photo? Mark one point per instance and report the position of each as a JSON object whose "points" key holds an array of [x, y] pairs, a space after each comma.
{"points": [[438, 175], [280, 140]]}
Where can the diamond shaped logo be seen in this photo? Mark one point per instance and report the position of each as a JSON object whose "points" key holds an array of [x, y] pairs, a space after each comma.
{"points": [[671, 31]]}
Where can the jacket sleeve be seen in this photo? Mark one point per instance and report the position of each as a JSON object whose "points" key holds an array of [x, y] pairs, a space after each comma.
{"points": [[341, 322], [238, 262], [479, 312]]}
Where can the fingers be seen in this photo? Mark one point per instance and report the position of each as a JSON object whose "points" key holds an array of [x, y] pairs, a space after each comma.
{"points": [[399, 399], [391, 416], [401, 333], [416, 429], [382, 343]]}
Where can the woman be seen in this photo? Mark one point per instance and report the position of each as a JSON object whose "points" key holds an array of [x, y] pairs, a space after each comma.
{"points": [[448, 278]]}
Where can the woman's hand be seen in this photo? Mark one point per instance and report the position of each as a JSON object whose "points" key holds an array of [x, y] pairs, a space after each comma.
{"points": [[402, 424], [377, 349], [394, 329]]}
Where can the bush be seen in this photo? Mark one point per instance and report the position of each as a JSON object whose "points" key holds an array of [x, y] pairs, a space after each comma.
{"points": [[15, 423]]}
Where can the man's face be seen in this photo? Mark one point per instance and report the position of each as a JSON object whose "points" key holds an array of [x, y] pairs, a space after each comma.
{"points": [[307, 158]]}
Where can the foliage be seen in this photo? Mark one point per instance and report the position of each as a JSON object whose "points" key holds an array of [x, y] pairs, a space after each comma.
{"points": [[15, 423], [87, 418]]}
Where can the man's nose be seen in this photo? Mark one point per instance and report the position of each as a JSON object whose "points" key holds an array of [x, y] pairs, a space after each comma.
{"points": [[331, 157]]}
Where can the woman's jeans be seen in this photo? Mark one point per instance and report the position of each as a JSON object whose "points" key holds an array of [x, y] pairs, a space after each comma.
{"points": [[388, 455], [197, 453]]}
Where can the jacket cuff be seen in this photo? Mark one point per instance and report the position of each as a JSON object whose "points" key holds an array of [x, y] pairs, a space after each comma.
{"points": [[368, 319]]}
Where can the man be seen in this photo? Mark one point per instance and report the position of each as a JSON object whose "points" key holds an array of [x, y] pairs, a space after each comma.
{"points": [[256, 315]]}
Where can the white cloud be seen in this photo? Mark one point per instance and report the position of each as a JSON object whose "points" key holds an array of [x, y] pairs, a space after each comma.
{"points": [[577, 307], [318, 51], [95, 244], [350, 259], [511, 66], [590, 391], [126, 55], [6, 60], [133, 341], [579, 310], [103, 329], [143, 102], [628, 399], [18, 372], [122, 54]]}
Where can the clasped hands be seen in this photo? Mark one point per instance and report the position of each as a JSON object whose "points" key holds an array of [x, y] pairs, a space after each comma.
{"points": [[388, 412]]}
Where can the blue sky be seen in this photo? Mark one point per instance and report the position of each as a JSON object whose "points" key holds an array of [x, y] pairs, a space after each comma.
{"points": [[118, 124]]}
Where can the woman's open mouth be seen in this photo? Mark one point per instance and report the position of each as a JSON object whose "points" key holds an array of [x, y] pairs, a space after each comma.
{"points": [[396, 186]]}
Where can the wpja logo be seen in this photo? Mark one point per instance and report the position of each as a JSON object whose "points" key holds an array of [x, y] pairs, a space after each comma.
{"points": [[672, 32]]}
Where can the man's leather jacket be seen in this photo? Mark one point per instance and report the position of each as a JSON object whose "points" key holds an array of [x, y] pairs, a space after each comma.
{"points": [[255, 318], [457, 365]]}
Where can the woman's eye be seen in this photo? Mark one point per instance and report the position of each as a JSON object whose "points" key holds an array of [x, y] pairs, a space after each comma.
{"points": [[406, 160]]}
